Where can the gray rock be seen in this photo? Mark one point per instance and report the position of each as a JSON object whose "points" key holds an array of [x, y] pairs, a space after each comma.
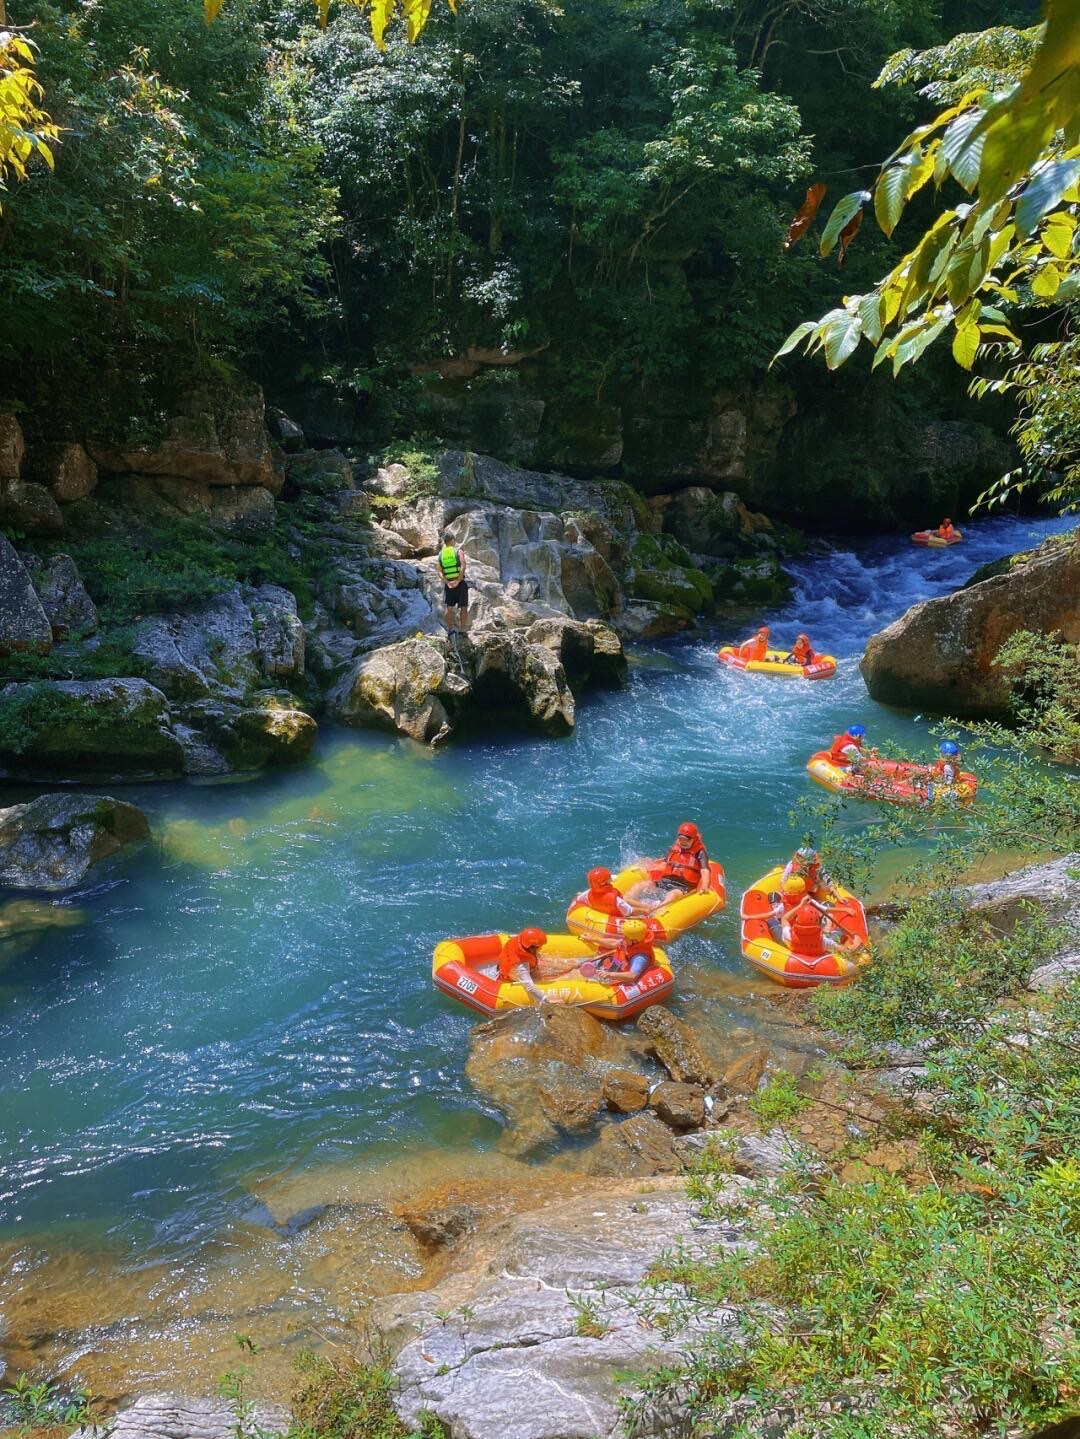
{"points": [[70, 609], [12, 450], [940, 655], [116, 727], [175, 1416], [242, 510], [31, 508], [50, 843], [754, 1156], [222, 737], [404, 687], [1055, 889], [533, 1342], [65, 469], [287, 432], [228, 647], [318, 470], [24, 625]]}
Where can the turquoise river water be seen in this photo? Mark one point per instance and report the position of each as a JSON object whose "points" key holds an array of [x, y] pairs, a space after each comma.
{"points": [[251, 996]]}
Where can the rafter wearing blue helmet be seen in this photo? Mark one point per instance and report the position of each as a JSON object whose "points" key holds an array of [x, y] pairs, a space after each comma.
{"points": [[847, 748], [946, 768]]}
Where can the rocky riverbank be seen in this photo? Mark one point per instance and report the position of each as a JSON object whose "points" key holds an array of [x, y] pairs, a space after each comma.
{"points": [[194, 604]]}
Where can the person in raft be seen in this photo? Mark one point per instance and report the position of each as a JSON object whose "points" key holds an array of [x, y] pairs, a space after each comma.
{"points": [[687, 865], [629, 960], [805, 864], [801, 652], [945, 529], [603, 896], [793, 890], [847, 750], [758, 647], [808, 931], [519, 963], [455, 586], [946, 768]]}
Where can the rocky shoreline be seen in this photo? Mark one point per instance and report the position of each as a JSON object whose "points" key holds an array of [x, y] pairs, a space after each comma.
{"points": [[195, 605]]}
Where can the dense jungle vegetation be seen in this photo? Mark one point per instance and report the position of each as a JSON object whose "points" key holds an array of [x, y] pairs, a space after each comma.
{"points": [[604, 184]]}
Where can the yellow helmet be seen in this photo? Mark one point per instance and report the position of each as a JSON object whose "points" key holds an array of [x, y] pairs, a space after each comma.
{"points": [[795, 884], [634, 930]]}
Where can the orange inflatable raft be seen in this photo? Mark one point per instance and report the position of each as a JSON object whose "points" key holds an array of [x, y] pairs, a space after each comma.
{"points": [[666, 923], [891, 781], [779, 664], [467, 970], [930, 539], [839, 965]]}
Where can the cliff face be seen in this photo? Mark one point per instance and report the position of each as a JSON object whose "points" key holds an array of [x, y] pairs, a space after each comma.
{"points": [[940, 654]]}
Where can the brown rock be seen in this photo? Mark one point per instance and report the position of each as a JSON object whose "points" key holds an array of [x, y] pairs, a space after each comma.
{"points": [[744, 1074], [211, 439], [12, 449], [676, 1046], [940, 655], [66, 471], [441, 1225], [625, 1092], [636, 1146], [680, 1106]]}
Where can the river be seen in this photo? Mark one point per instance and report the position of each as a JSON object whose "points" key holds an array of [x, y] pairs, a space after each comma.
{"points": [[247, 1004]]}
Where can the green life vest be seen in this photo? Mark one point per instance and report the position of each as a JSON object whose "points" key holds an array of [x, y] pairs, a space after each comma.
{"points": [[450, 563]]}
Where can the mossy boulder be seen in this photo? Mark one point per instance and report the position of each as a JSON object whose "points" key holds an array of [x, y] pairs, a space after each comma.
{"points": [[664, 572], [110, 726], [752, 580], [50, 843]]}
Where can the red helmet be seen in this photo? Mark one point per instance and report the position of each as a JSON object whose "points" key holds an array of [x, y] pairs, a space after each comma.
{"points": [[690, 831], [599, 878], [532, 938]]}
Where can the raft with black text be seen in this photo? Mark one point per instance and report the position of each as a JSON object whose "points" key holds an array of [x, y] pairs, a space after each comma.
{"points": [[468, 970]]}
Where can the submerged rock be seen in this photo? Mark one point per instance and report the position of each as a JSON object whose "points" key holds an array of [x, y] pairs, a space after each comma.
{"points": [[940, 655], [50, 843], [641, 1145]]}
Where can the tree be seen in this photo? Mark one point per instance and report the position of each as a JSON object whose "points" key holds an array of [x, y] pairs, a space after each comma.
{"points": [[25, 128], [1009, 139], [380, 14]]}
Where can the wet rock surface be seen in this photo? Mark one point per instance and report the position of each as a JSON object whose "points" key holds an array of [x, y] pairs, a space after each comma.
{"points": [[1053, 888], [676, 1046], [174, 1416], [547, 1315], [50, 843], [940, 654]]}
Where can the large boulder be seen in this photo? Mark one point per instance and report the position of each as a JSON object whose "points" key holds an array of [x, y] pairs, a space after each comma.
{"points": [[116, 727], [71, 611], [676, 1046], [24, 625], [12, 450], [50, 843], [213, 437], [266, 729], [30, 508], [590, 653], [1052, 888], [939, 656], [237, 642], [64, 468], [405, 687], [536, 1339]]}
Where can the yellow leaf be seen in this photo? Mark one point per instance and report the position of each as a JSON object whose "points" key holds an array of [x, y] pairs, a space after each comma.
{"points": [[1045, 282], [965, 345], [211, 9], [1057, 234]]}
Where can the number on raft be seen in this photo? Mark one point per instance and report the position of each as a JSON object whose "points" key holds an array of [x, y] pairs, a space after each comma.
{"points": [[468, 985]]}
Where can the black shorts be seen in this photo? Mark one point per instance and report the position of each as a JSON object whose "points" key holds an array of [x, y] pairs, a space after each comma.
{"points": [[456, 595]]}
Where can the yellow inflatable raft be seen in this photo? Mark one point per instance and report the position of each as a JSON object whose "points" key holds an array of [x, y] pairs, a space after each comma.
{"points": [[840, 963], [666, 923], [776, 662], [468, 970]]}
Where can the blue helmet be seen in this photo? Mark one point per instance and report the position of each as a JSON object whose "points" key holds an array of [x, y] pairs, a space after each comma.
{"points": [[856, 731], [948, 746]]}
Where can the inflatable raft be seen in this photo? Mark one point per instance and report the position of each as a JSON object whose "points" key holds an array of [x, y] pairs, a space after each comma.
{"points": [[776, 663], [467, 970], [930, 539], [892, 781], [666, 923], [838, 966]]}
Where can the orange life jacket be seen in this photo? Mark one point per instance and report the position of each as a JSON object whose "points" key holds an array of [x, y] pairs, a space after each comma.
{"points": [[805, 925], [946, 531], [840, 744], [620, 957], [802, 654], [811, 872], [755, 649], [938, 771], [685, 865], [512, 954], [605, 900]]}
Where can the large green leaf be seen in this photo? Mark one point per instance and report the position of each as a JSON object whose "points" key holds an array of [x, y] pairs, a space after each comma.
{"points": [[890, 192], [796, 337], [1043, 191], [845, 210], [961, 148], [841, 338], [965, 345]]}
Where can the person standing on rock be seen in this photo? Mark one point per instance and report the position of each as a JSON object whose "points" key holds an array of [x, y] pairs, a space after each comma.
{"points": [[455, 587]]}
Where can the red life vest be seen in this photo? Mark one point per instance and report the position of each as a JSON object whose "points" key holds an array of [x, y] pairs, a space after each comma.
{"points": [[805, 925], [607, 900], [810, 871], [685, 865], [839, 744], [512, 954], [938, 771], [755, 649], [620, 957], [802, 654]]}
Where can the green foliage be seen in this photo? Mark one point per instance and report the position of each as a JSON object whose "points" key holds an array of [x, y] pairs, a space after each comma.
{"points": [[336, 1400], [589, 1322], [25, 128], [26, 1405], [107, 655], [1045, 675], [778, 1101]]}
